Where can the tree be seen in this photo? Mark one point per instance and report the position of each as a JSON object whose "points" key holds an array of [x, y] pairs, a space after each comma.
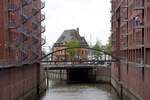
{"points": [[108, 46], [71, 44], [97, 46]]}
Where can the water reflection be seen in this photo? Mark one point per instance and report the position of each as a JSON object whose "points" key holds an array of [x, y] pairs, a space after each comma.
{"points": [[63, 91]]}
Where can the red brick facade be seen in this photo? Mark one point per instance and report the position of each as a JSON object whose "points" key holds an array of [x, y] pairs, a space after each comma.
{"points": [[20, 31], [20, 48], [131, 43], [16, 82]]}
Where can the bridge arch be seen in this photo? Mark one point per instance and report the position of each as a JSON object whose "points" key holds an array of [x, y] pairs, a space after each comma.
{"points": [[67, 48]]}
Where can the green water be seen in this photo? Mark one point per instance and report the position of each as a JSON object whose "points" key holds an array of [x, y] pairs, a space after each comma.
{"points": [[64, 91]]}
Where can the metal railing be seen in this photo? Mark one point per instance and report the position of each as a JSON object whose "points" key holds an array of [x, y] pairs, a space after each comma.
{"points": [[35, 24], [25, 17], [42, 28], [43, 40], [35, 36], [35, 50], [140, 43], [42, 4], [24, 31], [124, 34], [35, 10], [21, 45], [12, 24], [42, 16], [26, 2], [140, 60], [13, 7]]}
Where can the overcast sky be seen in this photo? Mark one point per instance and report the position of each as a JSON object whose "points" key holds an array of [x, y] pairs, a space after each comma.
{"points": [[91, 16]]}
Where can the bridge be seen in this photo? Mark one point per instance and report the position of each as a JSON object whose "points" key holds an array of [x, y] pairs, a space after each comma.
{"points": [[69, 66], [78, 69]]}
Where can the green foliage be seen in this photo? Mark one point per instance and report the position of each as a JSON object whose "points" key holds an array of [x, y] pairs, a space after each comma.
{"points": [[97, 46], [71, 44], [108, 46]]}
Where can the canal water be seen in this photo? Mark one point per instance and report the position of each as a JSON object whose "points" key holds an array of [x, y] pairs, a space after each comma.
{"points": [[63, 91]]}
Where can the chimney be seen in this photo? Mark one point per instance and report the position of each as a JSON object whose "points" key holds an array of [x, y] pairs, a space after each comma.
{"points": [[77, 30]]}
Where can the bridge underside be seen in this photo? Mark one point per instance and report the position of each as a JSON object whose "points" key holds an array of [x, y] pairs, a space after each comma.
{"points": [[81, 75]]}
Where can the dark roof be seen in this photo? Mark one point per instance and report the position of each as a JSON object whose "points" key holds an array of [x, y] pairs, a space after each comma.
{"points": [[71, 34], [68, 35], [84, 42]]}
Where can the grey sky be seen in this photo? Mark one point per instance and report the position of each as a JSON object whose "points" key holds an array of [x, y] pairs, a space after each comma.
{"points": [[91, 16]]}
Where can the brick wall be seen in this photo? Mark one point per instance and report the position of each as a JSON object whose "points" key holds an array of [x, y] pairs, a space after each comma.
{"points": [[17, 82]]}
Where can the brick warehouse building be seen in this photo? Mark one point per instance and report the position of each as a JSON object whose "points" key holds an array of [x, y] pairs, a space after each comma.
{"points": [[131, 42], [20, 43], [67, 35]]}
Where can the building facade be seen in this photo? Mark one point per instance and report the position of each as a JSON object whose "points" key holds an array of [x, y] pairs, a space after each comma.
{"points": [[131, 43], [21, 30], [67, 35], [20, 46]]}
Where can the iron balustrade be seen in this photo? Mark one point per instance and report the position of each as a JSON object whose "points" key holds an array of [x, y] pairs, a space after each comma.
{"points": [[42, 4], [35, 36], [139, 43], [43, 40], [35, 23], [13, 7], [20, 43], [35, 10], [42, 16], [24, 31], [25, 17], [12, 24], [26, 2], [42, 28]]}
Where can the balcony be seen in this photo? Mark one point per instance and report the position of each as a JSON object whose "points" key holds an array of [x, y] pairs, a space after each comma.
{"points": [[25, 17], [35, 50], [139, 43], [13, 8], [34, 58], [42, 29], [139, 60], [43, 40], [23, 48], [12, 24], [138, 4], [35, 10], [35, 24], [42, 16], [36, 39], [26, 2], [124, 34], [24, 59], [24, 31], [124, 45]]}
